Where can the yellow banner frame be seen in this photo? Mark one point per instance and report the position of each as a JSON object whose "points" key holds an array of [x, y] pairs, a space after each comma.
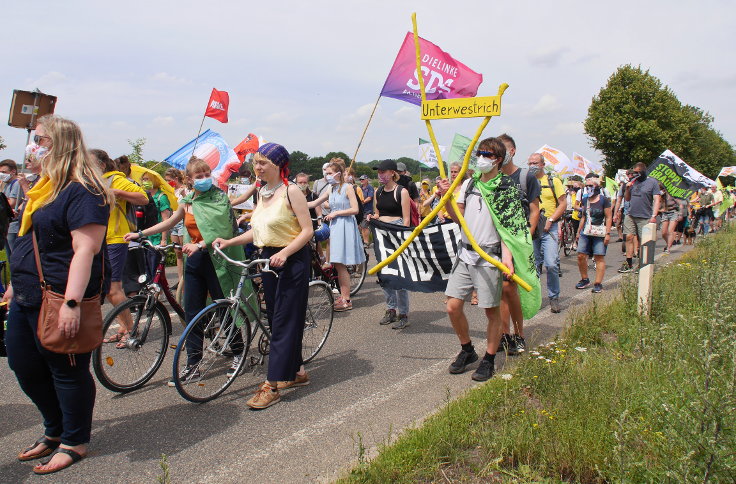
{"points": [[449, 197]]}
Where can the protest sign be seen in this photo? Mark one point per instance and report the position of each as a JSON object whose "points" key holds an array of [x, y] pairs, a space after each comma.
{"points": [[728, 171], [427, 155], [234, 190], [679, 179], [444, 77], [426, 263], [556, 157]]}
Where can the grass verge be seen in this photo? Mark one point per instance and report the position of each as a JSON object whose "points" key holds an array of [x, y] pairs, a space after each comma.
{"points": [[617, 398]]}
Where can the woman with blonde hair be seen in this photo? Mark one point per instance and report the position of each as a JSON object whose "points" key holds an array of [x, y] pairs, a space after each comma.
{"points": [[346, 244], [66, 213]]}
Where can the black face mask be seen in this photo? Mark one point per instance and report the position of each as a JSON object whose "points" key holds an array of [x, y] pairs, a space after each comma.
{"points": [[641, 175], [596, 191]]}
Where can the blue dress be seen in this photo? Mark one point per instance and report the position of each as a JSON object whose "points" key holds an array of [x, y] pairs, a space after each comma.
{"points": [[346, 244]]}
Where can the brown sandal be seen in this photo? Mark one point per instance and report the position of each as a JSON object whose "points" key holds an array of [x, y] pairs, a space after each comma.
{"points": [[115, 338], [51, 445], [75, 456]]}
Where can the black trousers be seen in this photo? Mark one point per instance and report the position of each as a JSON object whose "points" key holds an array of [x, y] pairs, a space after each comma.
{"points": [[62, 392], [286, 307]]}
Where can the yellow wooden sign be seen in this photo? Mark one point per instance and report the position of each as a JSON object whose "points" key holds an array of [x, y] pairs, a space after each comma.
{"points": [[469, 107]]}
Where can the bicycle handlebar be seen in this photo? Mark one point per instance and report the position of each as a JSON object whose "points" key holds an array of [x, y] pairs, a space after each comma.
{"points": [[246, 265], [162, 248]]}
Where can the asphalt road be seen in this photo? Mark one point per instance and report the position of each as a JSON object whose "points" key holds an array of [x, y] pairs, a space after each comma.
{"points": [[368, 383]]}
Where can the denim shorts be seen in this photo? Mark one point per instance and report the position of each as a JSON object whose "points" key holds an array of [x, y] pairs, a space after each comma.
{"points": [[591, 245], [117, 253], [670, 216]]}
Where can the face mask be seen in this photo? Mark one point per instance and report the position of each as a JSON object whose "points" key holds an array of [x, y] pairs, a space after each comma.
{"points": [[324, 174], [30, 176], [331, 179], [483, 164], [147, 185], [350, 179], [642, 176], [36, 151], [596, 191], [535, 170], [5, 177], [172, 183], [383, 179], [202, 184], [588, 190], [507, 159], [303, 187]]}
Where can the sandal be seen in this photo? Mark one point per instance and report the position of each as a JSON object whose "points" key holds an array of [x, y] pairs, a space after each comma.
{"points": [[115, 338], [474, 300], [76, 457], [342, 305], [51, 445], [123, 341]]}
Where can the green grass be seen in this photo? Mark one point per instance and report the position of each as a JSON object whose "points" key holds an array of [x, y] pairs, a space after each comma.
{"points": [[617, 398]]}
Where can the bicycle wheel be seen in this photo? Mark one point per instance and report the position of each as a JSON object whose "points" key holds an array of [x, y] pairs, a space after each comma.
{"points": [[357, 275], [126, 369], [568, 239], [211, 351], [318, 320]]}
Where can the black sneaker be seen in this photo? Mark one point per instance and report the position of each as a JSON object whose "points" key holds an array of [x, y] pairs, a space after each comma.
{"points": [[484, 371], [518, 347], [582, 284], [463, 359], [389, 317], [402, 322], [188, 374], [597, 288], [625, 268], [505, 343]]}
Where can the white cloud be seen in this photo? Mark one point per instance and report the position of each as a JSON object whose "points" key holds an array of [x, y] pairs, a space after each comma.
{"points": [[546, 104]]}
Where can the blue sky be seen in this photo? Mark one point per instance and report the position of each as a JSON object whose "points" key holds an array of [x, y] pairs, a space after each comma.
{"points": [[306, 74]]}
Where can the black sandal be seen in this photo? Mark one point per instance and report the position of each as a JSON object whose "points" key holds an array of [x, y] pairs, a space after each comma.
{"points": [[76, 457], [51, 445]]}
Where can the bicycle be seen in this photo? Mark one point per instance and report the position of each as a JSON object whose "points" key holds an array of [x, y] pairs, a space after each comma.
{"points": [[328, 273], [567, 238], [126, 369], [220, 336]]}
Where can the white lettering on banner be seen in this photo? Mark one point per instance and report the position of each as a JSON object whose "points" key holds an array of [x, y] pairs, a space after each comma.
{"points": [[439, 64], [217, 105], [385, 252], [436, 81]]}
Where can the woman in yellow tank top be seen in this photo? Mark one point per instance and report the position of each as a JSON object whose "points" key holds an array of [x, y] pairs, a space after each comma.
{"points": [[281, 227]]}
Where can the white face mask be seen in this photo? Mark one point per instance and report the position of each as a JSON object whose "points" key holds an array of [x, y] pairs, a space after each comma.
{"points": [[4, 177], [331, 179], [483, 164]]}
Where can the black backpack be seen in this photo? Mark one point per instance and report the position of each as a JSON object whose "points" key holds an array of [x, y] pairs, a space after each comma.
{"points": [[6, 215], [358, 216], [147, 215]]}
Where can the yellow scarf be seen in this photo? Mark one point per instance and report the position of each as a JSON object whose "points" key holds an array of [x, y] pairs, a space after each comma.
{"points": [[36, 197]]}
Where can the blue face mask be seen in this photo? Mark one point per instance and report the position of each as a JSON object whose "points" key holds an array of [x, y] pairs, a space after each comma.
{"points": [[202, 184]]}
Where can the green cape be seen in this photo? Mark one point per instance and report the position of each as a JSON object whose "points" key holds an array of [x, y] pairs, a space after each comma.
{"points": [[504, 202], [215, 218]]}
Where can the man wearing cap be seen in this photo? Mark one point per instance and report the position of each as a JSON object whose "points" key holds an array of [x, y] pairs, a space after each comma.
{"points": [[405, 181], [368, 192]]}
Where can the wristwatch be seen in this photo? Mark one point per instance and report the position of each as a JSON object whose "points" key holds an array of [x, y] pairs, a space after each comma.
{"points": [[72, 303], [201, 245]]}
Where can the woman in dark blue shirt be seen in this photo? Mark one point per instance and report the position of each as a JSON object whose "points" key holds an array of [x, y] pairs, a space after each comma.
{"points": [[68, 211]]}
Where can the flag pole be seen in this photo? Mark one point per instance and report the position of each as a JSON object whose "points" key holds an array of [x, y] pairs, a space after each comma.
{"points": [[352, 162], [198, 133]]}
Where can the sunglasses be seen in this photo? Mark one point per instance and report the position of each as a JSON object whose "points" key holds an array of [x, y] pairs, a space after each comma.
{"points": [[487, 154], [37, 138]]}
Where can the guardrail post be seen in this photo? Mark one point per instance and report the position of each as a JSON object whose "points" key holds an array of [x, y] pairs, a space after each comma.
{"points": [[646, 268]]}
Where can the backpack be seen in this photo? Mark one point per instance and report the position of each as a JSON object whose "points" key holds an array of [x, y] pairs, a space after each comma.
{"points": [[413, 209], [6, 216], [130, 211], [147, 215], [359, 216]]}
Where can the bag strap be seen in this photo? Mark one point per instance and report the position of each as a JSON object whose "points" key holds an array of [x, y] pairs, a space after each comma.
{"points": [[551, 182]]}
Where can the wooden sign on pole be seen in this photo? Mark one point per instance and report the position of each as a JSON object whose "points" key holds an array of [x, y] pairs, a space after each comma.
{"points": [[646, 269]]}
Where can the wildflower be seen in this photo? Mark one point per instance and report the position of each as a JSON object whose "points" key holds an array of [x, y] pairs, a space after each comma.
{"points": [[548, 360], [540, 357], [506, 376], [535, 425], [534, 353], [535, 376], [581, 349]]}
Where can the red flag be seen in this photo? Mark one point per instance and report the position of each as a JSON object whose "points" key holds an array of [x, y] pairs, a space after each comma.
{"points": [[247, 146], [217, 105]]}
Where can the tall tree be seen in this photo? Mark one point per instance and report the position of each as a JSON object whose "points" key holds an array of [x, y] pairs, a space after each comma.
{"points": [[634, 118]]}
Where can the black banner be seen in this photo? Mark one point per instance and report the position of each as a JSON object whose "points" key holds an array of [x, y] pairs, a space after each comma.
{"points": [[425, 265], [679, 179]]}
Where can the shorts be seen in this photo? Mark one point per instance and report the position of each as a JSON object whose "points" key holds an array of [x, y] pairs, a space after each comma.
{"points": [[178, 229], [117, 253], [486, 280], [590, 245], [634, 225], [670, 216]]}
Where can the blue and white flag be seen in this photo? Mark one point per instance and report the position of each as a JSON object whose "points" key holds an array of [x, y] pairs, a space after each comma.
{"points": [[211, 147]]}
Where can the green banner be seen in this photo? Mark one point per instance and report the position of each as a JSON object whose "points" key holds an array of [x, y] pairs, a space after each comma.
{"points": [[459, 146]]}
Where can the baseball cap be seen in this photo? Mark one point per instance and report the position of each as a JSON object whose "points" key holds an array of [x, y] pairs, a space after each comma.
{"points": [[400, 166], [386, 165], [363, 177]]}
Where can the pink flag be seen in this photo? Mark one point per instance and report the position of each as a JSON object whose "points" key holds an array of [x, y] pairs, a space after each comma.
{"points": [[444, 77]]}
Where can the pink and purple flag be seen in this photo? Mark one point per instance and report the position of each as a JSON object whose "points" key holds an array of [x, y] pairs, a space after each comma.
{"points": [[444, 77]]}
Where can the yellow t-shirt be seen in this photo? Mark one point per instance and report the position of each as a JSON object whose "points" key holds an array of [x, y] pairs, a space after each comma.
{"points": [[547, 202], [118, 225]]}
